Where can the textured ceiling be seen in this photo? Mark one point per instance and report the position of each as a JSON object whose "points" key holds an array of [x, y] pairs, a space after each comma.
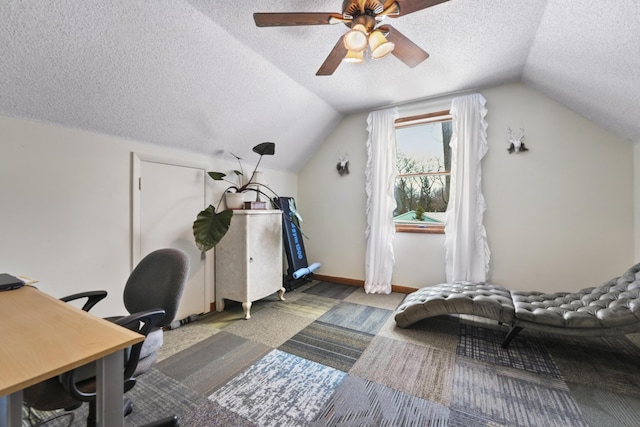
{"points": [[199, 75]]}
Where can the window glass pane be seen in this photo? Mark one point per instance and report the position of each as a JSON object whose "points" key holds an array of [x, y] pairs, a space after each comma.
{"points": [[427, 192], [422, 193], [424, 148]]}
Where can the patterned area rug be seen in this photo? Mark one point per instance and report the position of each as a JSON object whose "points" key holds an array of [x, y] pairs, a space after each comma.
{"points": [[280, 390]]}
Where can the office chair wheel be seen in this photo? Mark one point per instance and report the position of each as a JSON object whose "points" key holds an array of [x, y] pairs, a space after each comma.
{"points": [[171, 421], [73, 407], [127, 407]]}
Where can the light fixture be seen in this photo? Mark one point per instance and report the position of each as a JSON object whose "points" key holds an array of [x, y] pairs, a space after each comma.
{"points": [[379, 45], [356, 38], [354, 57], [362, 33]]}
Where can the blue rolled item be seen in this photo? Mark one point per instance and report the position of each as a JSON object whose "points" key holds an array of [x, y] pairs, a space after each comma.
{"points": [[306, 270]]}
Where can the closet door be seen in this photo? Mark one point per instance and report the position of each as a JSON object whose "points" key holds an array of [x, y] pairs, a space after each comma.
{"points": [[170, 196]]}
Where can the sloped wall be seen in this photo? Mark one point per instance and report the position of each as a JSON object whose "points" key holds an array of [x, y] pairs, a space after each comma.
{"points": [[66, 206], [560, 216]]}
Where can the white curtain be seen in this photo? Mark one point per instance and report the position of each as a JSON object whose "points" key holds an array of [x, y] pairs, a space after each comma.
{"points": [[380, 174], [467, 250]]}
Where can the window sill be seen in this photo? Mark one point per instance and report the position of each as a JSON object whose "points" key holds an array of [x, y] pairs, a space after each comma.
{"points": [[434, 229]]}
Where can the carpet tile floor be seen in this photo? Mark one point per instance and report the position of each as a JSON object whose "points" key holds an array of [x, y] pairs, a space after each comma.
{"points": [[331, 355]]}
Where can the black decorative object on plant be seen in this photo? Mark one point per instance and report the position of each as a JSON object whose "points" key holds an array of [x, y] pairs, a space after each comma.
{"points": [[210, 226]]}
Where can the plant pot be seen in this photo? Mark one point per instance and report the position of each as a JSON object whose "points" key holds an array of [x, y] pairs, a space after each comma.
{"points": [[234, 200]]}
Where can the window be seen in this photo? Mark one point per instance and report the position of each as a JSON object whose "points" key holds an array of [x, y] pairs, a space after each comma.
{"points": [[424, 164]]}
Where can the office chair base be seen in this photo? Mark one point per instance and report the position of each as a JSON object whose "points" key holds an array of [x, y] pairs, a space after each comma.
{"points": [[171, 421], [36, 418]]}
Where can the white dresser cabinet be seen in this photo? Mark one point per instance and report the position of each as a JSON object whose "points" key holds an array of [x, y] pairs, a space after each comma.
{"points": [[249, 259]]}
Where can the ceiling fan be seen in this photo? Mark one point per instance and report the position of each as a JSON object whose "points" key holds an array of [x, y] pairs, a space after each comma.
{"points": [[364, 18]]}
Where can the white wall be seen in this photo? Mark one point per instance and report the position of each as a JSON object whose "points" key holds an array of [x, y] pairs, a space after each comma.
{"points": [[332, 206], [636, 197], [66, 206], [560, 216]]}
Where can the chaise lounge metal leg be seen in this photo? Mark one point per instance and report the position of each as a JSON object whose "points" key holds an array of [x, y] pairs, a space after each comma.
{"points": [[511, 335]]}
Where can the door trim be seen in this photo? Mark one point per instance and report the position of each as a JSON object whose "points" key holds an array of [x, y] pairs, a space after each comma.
{"points": [[136, 160]]}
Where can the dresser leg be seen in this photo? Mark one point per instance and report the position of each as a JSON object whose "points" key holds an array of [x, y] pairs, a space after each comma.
{"points": [[281, 292], [246, 306]]}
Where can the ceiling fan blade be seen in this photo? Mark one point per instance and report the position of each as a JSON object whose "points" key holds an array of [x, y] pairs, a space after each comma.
{"points": [[410, 6], [295, 18], [405, 50], [333, 60]]}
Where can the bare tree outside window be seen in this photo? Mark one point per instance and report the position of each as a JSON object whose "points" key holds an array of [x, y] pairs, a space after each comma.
{"points": [[424, 164]]}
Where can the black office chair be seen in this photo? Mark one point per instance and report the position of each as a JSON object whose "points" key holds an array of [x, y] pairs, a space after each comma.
{"points": [[152, 293], [157, 282]]}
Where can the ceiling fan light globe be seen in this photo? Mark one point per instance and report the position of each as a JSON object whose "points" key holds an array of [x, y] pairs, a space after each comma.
{"points": [[382, 50], [356, 38], [354, 57], [379, 45]]}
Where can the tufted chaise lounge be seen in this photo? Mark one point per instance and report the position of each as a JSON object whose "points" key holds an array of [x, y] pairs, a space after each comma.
{"points": [[610, 309]]}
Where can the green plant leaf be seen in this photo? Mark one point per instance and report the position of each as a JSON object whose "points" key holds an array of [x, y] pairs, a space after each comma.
{"points": [[210, 227], [218, 176]]}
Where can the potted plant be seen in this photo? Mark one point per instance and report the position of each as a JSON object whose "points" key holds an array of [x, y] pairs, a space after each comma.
{"points": [[210, 226]]}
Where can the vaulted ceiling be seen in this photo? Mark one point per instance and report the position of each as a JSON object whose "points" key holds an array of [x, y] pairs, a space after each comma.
{"points": [[199, 75]]}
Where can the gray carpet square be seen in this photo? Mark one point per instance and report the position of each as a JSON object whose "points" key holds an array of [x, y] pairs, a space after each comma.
{"points": [[176, 340], [387, 301], [280, 390], [358, 402], [464, 419], [304, 305], [635, 339], [331, 290], [603, 369], [512, 397], [155, 396], [605, 408], [621, 344], [261, 326], [231, 315], [328, 344], [528, 353], [420, 371], [210, 414], [356, 316], [436, 332], [210, 363]]}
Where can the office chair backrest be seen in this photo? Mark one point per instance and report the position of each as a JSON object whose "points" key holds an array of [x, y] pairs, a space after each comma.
{"points": [[158, 282]]}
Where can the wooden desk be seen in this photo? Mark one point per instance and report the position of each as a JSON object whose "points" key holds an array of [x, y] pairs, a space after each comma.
{"points": [[43, 337]]}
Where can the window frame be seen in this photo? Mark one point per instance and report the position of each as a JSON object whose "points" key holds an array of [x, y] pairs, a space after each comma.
{"points": [[403, 122]]}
